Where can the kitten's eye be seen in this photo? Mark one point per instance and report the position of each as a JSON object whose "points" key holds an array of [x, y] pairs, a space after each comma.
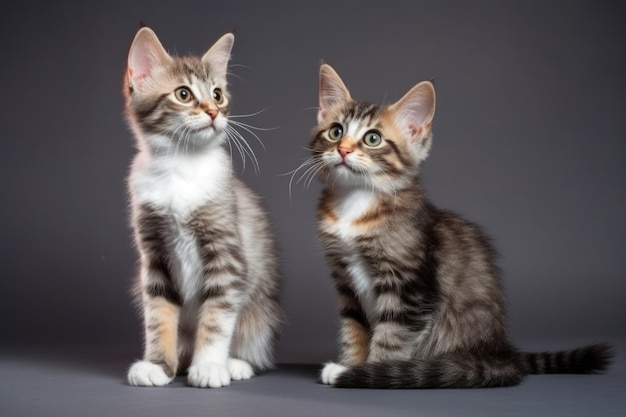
{"points": [[372, 139], [335, 132], [218, 96], [183, 94]]}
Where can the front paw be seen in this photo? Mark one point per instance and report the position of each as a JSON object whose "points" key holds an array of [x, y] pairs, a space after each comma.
{"points": [[208, 375], [331, 372], [147, 374]]}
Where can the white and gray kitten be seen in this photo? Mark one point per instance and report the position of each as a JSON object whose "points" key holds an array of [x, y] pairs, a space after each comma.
{"points": [[208, 282]]}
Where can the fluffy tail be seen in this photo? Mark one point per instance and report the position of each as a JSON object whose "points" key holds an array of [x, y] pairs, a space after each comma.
{"points": [[452, 370], [473, 370], [586, 360]]}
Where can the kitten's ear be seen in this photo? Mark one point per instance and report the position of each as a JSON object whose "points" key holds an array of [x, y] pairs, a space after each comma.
{"points": [[218, 55], [332, 91], [146, 53], [415, 111]]}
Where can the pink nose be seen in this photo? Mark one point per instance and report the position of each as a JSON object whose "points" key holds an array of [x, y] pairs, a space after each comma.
{"points": [[343, 151], [212, 113]]}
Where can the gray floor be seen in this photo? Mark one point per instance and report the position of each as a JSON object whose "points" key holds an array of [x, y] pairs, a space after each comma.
{"points": [[91, 383]]}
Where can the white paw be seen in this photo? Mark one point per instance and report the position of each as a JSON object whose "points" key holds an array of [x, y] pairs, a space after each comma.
{"points": [[239, 369], [208, 375], [331, 371], [147, 374]]}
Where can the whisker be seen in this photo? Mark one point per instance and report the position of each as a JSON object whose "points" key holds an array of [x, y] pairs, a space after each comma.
{"points": [[309, 171], [246, 115], [238, 123], [187, 141], [232, 138], [248, 128], [245, 145], [179, 139], [306, 163], [302, 165], [172, 136], [232, 74], [230, 150], [314, 174], [249, 68]]}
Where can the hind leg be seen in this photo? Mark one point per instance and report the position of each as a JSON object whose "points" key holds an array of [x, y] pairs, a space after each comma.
{"points": [[353, 341], [255, 338]]}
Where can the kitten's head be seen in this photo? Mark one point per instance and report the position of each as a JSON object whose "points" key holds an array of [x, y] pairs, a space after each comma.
{"points": [[177, 102], [364, 145]]}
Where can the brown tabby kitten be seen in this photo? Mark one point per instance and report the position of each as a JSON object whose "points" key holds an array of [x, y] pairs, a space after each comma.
{"points": [[420, 295], [209, 282]]}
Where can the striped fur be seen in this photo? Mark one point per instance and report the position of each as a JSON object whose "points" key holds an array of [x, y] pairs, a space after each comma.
{"points": [[208, 284], [420, 295], [467, 369]]}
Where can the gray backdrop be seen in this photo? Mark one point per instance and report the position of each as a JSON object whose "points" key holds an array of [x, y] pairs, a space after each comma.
{"points": [[529, 142]]}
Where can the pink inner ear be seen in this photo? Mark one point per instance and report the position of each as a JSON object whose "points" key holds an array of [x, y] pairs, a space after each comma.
{"points": [[139, 70], [415, 111], [415, 132], [138, 84], [137, 78], [135, 83]]}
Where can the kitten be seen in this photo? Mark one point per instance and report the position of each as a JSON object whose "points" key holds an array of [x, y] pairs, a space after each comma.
{"points": [[208, 281], [421, 301]]}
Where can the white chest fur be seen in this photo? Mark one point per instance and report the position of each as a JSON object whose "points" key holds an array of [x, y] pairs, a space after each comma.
{"points": [[349, 207], [179, 184]]}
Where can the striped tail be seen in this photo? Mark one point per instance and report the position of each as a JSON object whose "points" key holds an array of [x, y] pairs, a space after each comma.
{"points": [[586, 360], [473, 369], [452, 370]]}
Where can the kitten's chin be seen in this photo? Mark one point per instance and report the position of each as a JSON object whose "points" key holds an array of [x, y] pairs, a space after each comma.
{"points": [[204, 129], [197, 140], [208, 128], [342, 174], [212, 130], [209, 134], [343, 169]]}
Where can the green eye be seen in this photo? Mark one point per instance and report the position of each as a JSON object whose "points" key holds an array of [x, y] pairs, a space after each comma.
{"points": [[218, 96], [335, 132], [183, 94], [372, 139]]}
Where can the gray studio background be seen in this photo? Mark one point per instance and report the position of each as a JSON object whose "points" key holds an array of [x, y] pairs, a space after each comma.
{"points": [[529, 142]]}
